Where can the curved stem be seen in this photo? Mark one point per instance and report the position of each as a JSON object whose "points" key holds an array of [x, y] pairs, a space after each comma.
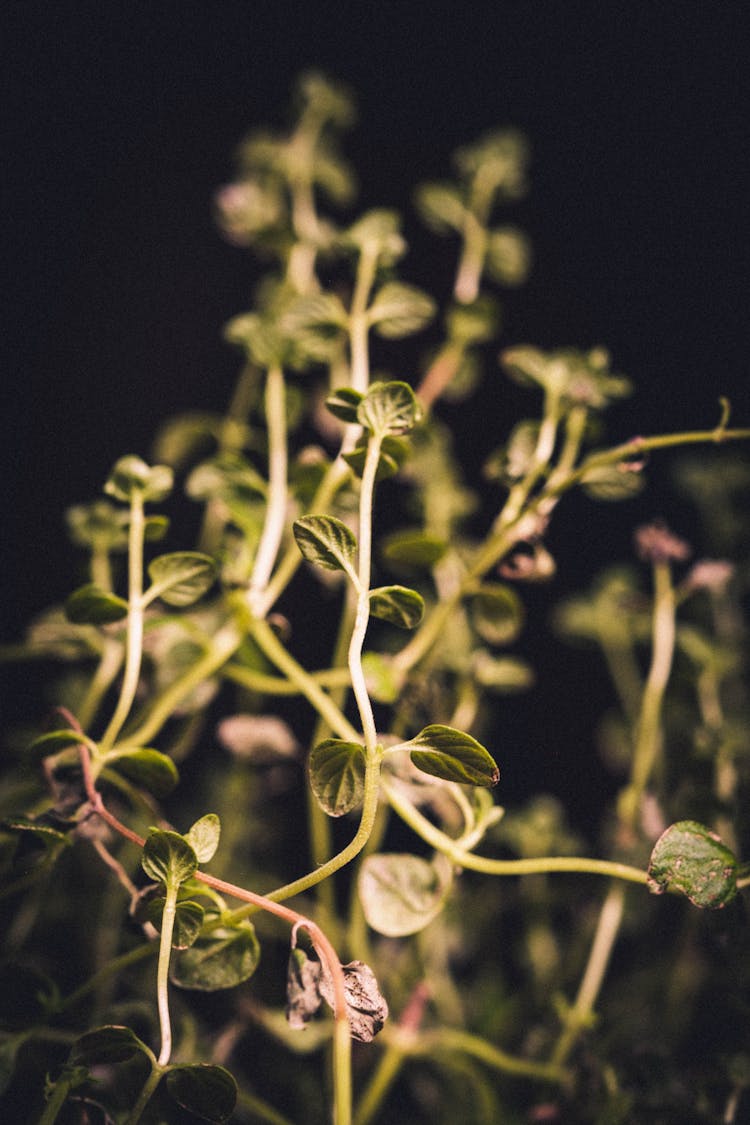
{"points": [[134, 641], [273, 528], [462, 858], [162, 972]]}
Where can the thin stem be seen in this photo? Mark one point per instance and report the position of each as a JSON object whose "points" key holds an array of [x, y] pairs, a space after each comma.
{"points": [[456, 1040], [362, 614], [273, 528], [502, 540], [462, 858], [162, 971], [649, 735], [578, 1017], [147, 1091], [134, 642]]}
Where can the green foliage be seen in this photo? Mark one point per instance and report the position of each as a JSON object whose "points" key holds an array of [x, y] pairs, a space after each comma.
{"points": [[338, 727]]}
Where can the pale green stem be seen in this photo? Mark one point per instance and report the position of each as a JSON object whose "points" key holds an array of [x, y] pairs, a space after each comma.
{"points": [[134, 642], [451, 1039], [273, 528], [536, 866], [577, 1018], [649, 734], [334, 677], [147, 1091], [362, 615], [107, 669], [271, 646], [386, 1073], [224, 644], [162, 972], [501, 541]]}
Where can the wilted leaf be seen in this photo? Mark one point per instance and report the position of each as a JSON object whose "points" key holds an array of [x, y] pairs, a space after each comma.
{"points": [[303, 997], [182, 577], [91, 605], [452, 755], [337, 775], [691, 859], [400, 894], [225, 959], [209, 1092], [149, 769], [203, 837], [397, 604], [366, 1007], [168, 857], [325, 541]]}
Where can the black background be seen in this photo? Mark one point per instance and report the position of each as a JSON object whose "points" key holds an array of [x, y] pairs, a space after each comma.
{"points": [[121, 121]]}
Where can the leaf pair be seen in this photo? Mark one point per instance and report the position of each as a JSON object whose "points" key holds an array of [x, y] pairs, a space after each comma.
{"points": [[337, 767], [179, 579]]}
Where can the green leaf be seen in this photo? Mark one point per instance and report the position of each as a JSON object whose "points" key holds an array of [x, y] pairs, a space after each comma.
{"points": [[223, 960], [106, 1045], [508, 256], [47, 833], [389, 409], [229, 477], [474, 323], [149, 769], [452, 755], [614, 482], [401, 894], [343, 403], [400, 310], [337, 775], [397, 604], [155, 528], [393, 453], [131, 476], [416, 548], [168, 858], [325, 541], [188, 920], [441, 206], [209, 1092], [91, 605], [691, 859], [99, 526], [377, 232], [502, 673], [182, 438], [203, 837], [182, 577], [384, 683], [497, 613], [55, 741]]}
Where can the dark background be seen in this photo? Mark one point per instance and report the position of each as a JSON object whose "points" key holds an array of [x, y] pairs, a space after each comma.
{"points": [[121, 121]]}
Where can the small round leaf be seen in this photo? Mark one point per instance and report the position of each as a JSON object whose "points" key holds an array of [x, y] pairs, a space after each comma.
{"points": [[453, 755], [105, 1045], [400, 894], [691, 859], [389, 409], [91, 605], [224, 960], [210, 1092], [168, 858], [182, 577], [337, 775], [325, 541], [203, 837], [397, 604], [149, 769]]}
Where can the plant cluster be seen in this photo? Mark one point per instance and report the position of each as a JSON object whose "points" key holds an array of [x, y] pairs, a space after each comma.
{"points": [[344, 923]]}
